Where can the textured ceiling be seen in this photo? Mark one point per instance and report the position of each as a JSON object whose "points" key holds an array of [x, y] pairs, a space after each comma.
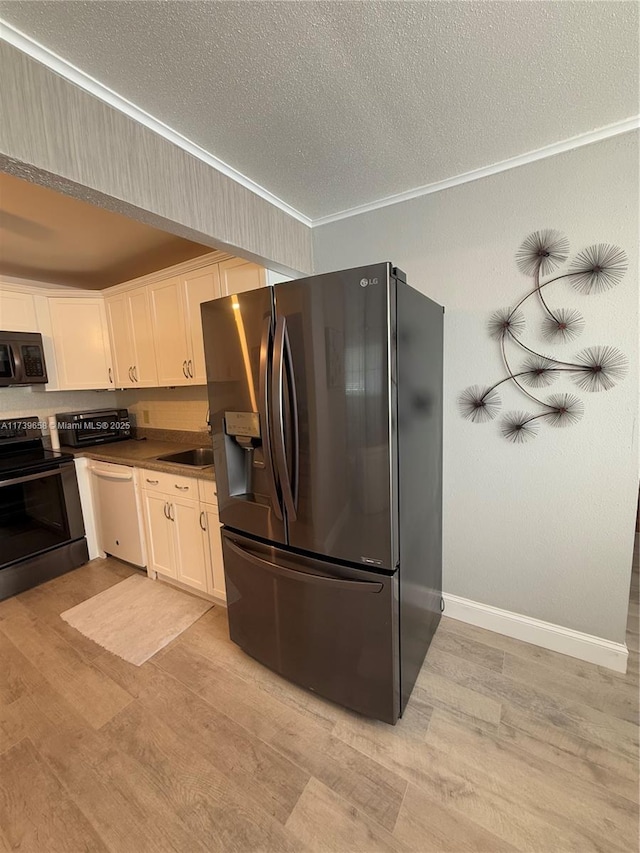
{"points": [[332, 105], [45, 236]]}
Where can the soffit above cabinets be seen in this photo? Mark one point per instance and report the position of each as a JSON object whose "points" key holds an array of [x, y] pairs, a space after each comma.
{"points": [[49, 237], [333, 105]]}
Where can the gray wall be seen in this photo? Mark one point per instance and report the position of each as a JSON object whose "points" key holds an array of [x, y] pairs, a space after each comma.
{"points": [[60, 136], [543, 529]]}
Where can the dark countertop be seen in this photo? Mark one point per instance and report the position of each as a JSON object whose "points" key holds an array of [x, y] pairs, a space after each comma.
{"points": [[142, 454]]}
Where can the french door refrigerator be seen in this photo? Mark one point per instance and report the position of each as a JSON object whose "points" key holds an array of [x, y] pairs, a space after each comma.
{"points": [[326, 412]]}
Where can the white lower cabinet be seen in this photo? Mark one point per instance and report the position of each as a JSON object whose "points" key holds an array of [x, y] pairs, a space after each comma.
{"points": [[183, 532], [211, 527], [190, 557], [160, 557]]}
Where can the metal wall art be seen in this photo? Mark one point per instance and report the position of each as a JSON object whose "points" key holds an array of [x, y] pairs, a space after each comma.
{"points": [[596, 368]]}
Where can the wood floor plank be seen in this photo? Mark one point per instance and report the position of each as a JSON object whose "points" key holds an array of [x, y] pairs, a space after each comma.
{"points": [[117, 795], [324, 822], [472, 792], [36, 814], [427, 826], [471, 650], [268, 778], [615, 702], [580, 719], [368, 785], [90, 691], [576, 755], [468, 704], [213, 805], [17, 675], [10, 607], [590, 814], [12, 730]]}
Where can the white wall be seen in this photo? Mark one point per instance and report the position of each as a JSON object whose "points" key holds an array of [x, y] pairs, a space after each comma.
{"points": [[543, 529]]}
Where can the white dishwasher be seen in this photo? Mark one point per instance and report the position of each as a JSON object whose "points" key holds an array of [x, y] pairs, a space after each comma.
{"points": [[118, 512]]}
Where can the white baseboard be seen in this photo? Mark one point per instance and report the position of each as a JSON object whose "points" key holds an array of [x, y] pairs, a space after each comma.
{"points": [[545, 634]]}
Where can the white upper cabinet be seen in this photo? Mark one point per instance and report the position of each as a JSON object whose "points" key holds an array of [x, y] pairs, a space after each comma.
{"points": [[121, 339], [131, 332], [80, 338], [237, 276], [198, 287], [177, 324], [17, 311], [170, 332]]}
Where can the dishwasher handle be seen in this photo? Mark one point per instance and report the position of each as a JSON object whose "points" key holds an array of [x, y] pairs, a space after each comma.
{"points": [[110, 474]]}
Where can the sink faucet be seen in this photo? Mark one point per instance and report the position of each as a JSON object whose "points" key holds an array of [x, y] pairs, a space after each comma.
{"points": [[209, 421]]}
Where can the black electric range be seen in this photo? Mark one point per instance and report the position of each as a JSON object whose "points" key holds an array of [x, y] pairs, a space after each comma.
{"points": [[41, 524]]}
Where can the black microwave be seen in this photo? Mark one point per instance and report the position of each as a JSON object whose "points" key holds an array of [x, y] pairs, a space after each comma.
{"points": [[99, 426], [21, 359]]}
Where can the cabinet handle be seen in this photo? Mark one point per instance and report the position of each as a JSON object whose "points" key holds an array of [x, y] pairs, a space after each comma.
{"points": [[110, 377], [184, 369], [153, 482], [135, 372], [171, 515], [190, 365], [203, 516], [131, 374], [166, 510], [182, 488]]}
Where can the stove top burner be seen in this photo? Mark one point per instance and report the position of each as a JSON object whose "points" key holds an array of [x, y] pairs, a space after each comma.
{"points": [[29, 461], [22, 449]]}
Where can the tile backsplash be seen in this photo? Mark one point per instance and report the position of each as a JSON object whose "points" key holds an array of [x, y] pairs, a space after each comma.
{"points": [[158, 408], [25, 402], [167, 408]]}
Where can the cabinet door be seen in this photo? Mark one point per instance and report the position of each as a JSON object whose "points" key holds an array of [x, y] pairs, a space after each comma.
{"points": [[121, 341], [169, 332], [145, 372], [17, 312], [213, 550], [81, 343], [189, 547], [237, 276], [160, 557], [198, 287]]}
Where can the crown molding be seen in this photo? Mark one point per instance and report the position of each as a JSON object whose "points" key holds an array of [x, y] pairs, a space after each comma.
{"points": [[84, 81], [588, 138], [89, 84]]}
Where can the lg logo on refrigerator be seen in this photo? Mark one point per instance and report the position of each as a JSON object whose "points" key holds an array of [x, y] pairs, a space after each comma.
{"points": [[365, 281]]}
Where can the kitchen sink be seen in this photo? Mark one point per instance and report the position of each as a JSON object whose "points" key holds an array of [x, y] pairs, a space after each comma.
{"points": [[200, 457]]}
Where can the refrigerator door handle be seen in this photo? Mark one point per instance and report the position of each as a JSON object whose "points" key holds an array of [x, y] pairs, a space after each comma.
{"points": [[318, 580], [279, 345], [264, 408], [294, 415]]}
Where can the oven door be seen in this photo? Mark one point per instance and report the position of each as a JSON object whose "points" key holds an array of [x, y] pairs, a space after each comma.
{"points": [[38, 512]]}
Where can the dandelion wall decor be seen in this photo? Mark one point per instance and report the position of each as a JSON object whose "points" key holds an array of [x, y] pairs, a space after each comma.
{"points": [[598, 368]]}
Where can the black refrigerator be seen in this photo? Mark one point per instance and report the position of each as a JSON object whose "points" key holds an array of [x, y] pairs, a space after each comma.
{"points": [[326, 412]]}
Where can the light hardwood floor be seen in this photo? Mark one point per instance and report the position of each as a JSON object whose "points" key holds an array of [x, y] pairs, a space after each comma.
{"points": [[504, 746]]}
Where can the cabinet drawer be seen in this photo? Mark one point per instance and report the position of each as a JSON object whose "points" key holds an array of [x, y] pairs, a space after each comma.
{"points": [[168, 484], [208, 491]]}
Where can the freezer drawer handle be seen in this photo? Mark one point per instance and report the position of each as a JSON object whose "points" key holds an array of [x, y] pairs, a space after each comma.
{"points": [[318, 580]]}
